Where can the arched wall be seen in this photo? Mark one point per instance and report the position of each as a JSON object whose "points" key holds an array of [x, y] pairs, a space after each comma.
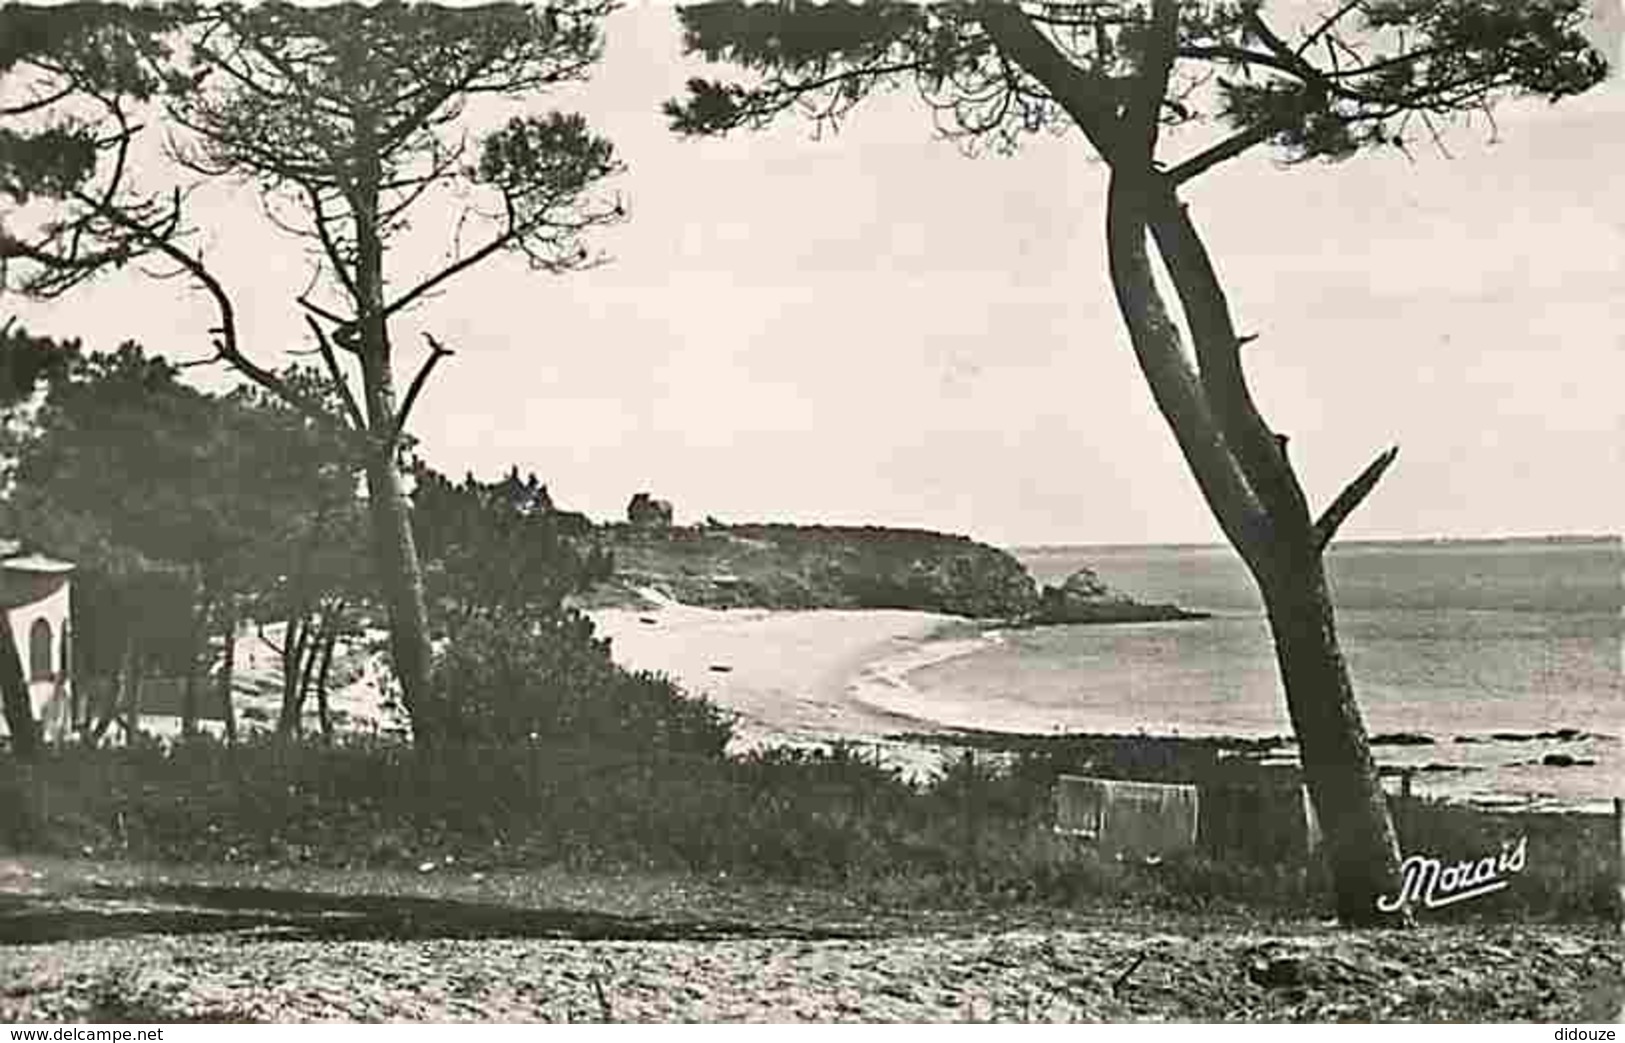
{"points": [[50, 699]]}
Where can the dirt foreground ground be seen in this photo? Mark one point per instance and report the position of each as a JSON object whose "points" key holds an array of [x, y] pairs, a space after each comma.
{"points": [[88, 942]]}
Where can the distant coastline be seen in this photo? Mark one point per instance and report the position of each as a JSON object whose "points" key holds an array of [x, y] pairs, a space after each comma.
{"points": [[1565, 539]]}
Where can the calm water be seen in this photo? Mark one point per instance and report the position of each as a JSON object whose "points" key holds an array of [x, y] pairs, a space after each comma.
{"points": [[1452, 641]]}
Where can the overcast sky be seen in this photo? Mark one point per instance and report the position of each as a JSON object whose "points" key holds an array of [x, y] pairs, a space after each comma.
{"points": [[873, 328]]}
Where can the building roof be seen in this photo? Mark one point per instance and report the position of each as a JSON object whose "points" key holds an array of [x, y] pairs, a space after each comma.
{"points": [[12, 559], [35, 563]]}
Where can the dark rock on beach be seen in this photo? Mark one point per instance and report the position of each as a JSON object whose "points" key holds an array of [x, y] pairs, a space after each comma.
{"points": [[1556, 735], [1401, 739]]}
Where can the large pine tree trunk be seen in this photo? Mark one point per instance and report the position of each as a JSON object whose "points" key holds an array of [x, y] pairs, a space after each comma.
{"points": [[19, 708], [1361, 845], [1239, 462], [1242, 468], [394, 547], [401, 577]]}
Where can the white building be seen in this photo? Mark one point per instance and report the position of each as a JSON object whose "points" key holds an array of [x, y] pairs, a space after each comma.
{"points": [[35, 594]]}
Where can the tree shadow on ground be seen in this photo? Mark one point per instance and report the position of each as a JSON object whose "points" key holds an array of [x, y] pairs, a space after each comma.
{"points": [[293, 915]]}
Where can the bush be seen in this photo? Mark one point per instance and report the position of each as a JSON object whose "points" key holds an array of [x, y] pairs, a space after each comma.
{"points": [[505, 680], [977, 832]]}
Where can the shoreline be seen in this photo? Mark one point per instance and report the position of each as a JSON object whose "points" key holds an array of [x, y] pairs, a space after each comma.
{"points": [[812, 678]]}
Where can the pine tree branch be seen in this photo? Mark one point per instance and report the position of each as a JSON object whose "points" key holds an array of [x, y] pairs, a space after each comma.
{"points": [[1351, 497], [224, 335], [1229, 148], [351, 408], [437, 351]]}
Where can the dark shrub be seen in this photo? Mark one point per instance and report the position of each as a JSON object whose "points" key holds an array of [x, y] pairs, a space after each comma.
{"points": [[506, 680], [978, 831]]}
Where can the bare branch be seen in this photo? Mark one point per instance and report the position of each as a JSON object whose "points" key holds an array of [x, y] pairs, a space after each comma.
{"points": [[442, 169], [514, 233], [305, 92], [330, 245], [1327, 25], [437, 351], [1229, 148], [1351, 497], [225, 334], [1243, 57], [209, 360], [458, 266], [321, 312], [351, 409], [45, 102]]}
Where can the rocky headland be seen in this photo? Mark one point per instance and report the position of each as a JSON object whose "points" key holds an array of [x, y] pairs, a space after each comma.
{"points": [[1084, 597], [781, 566]]}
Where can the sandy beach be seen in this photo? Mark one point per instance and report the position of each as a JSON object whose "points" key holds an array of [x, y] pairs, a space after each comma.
{"points": [[791, 677], [809, 677]]}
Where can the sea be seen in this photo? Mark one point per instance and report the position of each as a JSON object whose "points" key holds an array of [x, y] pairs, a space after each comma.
{"points": [[1489, 668]]}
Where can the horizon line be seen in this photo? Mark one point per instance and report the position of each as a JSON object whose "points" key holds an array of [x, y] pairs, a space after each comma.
{"points": [[1567, 537]]}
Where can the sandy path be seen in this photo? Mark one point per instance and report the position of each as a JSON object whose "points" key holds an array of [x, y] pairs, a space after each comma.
{"points": [[1511, 974]]}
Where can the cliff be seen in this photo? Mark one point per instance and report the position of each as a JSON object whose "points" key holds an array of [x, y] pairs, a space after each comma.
{"points": [[820, 566], [829, 566]]}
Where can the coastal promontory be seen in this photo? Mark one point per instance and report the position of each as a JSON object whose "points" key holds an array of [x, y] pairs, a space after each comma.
{"points": [[785, 566]]}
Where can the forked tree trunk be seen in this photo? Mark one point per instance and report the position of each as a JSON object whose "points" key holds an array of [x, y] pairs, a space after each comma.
{"points": [[1238, 462], [19, 708], [1242, 469]]}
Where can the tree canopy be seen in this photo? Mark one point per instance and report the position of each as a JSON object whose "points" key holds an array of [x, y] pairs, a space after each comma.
{"points": [[1356, 74], [75, 80], [354, 124], [501, 548], [348, 119]]}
